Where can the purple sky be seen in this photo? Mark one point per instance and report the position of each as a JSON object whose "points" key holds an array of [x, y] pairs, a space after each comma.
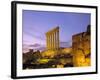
{"points": [[37, 23]]}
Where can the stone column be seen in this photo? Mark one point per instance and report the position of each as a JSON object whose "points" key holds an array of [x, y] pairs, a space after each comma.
{"points": [[57, 39], [48, 41], [53, 40]]}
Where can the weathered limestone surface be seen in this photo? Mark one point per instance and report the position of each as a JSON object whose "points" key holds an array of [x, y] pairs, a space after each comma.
{"points": [[81, 45]]}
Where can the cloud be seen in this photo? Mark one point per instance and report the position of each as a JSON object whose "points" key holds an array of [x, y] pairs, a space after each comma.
{"points": [[35, 45], [66, 44]]}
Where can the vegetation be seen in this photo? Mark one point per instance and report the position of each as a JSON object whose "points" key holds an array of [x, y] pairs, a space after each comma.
{"points": [[35, 60]]}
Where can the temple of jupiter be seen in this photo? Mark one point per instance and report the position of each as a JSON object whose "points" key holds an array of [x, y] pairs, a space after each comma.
{"points": [[52, 39]]}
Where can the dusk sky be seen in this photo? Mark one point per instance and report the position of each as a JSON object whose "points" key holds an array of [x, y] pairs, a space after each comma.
{"points": [[37, 23]]}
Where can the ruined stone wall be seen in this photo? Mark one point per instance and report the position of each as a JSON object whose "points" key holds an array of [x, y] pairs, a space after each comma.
{"points": [[81, 45]]}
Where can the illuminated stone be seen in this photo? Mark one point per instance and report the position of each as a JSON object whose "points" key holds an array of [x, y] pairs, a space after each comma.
{"points": [[81, 46], [52, 39]]}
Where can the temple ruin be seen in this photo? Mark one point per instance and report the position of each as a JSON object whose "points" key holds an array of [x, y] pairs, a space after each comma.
{"points": [[52, 39]]}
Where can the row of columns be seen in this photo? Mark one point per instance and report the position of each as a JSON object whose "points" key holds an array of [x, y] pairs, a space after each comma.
{"points": [[52, 38]]}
